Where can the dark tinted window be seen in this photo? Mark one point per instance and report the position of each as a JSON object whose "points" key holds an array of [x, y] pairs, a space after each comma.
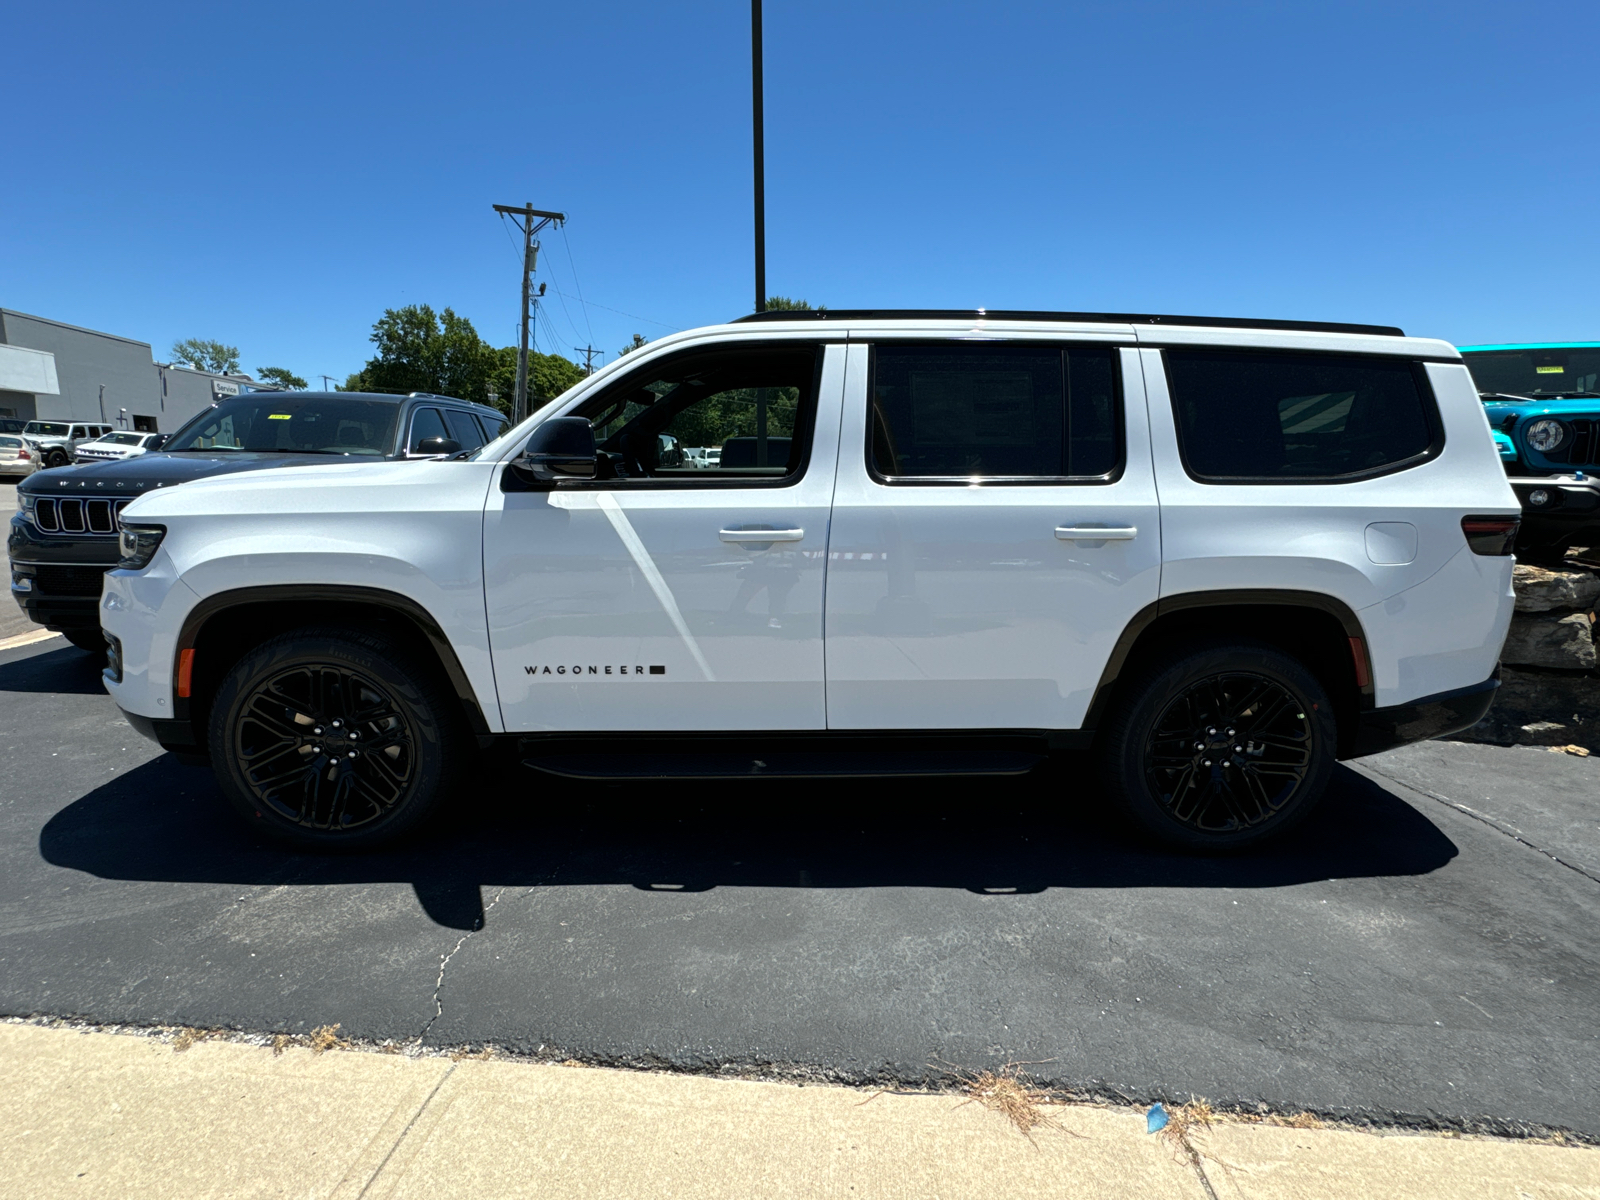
{"points": [[754, 405], [1245, 415], [426, 423], [464, 428], [286, 422], [493, 427], [1545, 371], [997, 411]]}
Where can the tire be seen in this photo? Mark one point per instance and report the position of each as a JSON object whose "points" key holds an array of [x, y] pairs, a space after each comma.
{"points": [[329, 738], [90, 641], [56, 458], [1169, 738]]}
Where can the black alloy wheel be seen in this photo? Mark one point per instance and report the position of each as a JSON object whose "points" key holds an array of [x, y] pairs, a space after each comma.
{"points": [[1229, 753], [324, 746], [333, 739], [1220, 747]]}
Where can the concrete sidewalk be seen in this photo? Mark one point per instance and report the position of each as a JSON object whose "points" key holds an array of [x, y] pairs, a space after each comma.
{"points": [[102, 1114]]}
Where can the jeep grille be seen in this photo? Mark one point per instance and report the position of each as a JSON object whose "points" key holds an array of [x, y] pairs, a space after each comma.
{"points": [[70, 514]]}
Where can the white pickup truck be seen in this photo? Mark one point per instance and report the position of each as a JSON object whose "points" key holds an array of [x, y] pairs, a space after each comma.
{"points": [[1220, 554]]}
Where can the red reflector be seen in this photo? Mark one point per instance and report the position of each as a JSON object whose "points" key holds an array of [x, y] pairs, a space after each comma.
{"points": [[1358, 655], [185, 673], [1491, 535]]}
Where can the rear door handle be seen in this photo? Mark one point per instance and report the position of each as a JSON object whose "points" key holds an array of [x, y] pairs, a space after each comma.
{"points": [[1096, 533], [761, 535]]}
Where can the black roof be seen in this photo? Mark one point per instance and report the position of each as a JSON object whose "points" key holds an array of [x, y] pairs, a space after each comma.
{"points": [[1008, 314]]}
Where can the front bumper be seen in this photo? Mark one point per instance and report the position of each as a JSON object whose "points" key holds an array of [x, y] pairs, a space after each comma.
{"points": [[1569, 506], [1430, 717], [176, 736], [57, 578]]}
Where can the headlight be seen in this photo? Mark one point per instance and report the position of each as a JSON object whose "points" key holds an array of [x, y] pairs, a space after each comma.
{"points": [[1544, 436], [26, 502], [138, 544]]}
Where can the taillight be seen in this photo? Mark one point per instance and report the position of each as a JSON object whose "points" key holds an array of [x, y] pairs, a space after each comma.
{"points": [[1491, 535], [24, 455]]}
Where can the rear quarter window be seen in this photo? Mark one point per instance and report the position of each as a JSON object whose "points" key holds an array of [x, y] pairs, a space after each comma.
{"points": [[1251, 417]]}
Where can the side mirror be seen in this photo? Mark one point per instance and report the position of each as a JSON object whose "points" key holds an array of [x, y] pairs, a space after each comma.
{"points": [[158, 441], [561, 448], [437, 445]]}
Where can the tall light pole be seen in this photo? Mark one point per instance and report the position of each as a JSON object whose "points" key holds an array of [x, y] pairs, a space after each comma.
{"points": [[758, 121]]}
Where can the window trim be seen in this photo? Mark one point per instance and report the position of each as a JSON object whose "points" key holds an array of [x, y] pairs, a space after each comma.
{"points": [[1419, 373], [411, 421], [806, 429], [1119, 418]]}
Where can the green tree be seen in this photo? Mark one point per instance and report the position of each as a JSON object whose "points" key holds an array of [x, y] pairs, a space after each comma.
{"points": [[283, 377], [216, 357], [638, 340], [784, 304], [423, 351]]}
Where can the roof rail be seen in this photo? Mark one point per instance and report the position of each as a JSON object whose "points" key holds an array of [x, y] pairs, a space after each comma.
{"points": [[998, 314], [434, 396]]}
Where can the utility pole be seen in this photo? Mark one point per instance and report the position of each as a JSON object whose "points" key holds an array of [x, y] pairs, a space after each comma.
{"points": [[758, 123], [326, 380], [588, 353], [530, 252]]}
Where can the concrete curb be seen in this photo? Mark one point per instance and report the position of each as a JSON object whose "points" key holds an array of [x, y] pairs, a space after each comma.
{"points": [[101, 1114]]}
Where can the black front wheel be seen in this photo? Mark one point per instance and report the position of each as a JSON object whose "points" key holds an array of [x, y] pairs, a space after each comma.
{"points": [[331, 738], [1225, 747]]}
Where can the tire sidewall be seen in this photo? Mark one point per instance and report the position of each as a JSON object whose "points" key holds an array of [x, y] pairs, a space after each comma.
{"points": [[1149, 698], [387, 666]]}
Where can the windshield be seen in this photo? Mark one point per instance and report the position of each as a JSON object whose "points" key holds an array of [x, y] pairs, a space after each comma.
{"points": [[281, 423], [1537, 371], [124, 439], [46, 428]]}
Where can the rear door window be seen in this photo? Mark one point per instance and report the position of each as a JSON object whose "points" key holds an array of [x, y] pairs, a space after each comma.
{"points": [[1252, 417], [1015, 411]]}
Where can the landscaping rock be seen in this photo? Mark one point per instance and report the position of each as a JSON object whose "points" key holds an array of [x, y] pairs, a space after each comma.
{"points": [[1561, 642], [1542, 590], [1533, 708]]}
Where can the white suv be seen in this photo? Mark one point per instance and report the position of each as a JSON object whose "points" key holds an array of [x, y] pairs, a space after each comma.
{"points": [[1220, 554]]}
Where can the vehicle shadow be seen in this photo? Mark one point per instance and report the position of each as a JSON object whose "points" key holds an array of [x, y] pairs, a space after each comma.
{"points": [[166, 822], [68, 671]]}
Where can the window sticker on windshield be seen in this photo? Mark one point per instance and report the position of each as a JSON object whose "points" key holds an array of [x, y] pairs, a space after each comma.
{"points": [[1551, 370], [278, 417]]}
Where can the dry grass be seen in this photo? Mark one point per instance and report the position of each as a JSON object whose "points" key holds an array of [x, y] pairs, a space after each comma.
{"points": [[487, 1054], [1008, 1092], [319, 1040], [187, 1036], [1574, 750]]}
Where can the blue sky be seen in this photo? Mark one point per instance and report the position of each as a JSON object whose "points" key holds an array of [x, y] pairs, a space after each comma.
{"points": [[274, 176]]}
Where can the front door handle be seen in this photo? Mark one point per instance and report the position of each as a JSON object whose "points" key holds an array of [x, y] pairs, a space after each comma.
{"points": [[1096, 533], [761, 535]]}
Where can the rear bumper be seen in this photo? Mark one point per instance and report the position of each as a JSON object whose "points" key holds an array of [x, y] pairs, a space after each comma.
{"points": [[1430, 717]]}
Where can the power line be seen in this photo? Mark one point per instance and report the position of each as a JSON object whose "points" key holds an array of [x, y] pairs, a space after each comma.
{"points": [[629, 315], [575, 283], [588, 353]]}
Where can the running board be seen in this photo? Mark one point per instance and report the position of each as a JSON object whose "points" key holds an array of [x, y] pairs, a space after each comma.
{"points": [[784, 764]]}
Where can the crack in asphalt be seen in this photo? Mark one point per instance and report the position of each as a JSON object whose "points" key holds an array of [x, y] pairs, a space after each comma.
{"points": [[444, 963], [1485, 819]]}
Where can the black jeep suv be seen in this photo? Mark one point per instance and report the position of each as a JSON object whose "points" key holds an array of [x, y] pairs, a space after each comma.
{"points": [[64, 535]]}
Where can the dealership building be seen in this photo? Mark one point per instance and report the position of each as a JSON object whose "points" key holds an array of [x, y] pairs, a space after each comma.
{"points": [[51, 371]]}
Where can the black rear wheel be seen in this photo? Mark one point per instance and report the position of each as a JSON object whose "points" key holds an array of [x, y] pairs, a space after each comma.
{"points": [[1227, 747], [332, 738]]}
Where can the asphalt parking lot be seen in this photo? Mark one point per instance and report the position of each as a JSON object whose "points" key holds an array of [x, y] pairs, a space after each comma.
{"points": [[1426, 949]]}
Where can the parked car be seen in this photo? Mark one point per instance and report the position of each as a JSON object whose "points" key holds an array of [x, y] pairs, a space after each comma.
{"points": [[1543, 402], [64, 536], [16, 460], [56, 441], [1221, 555], [119, 445], [12, 425]]}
